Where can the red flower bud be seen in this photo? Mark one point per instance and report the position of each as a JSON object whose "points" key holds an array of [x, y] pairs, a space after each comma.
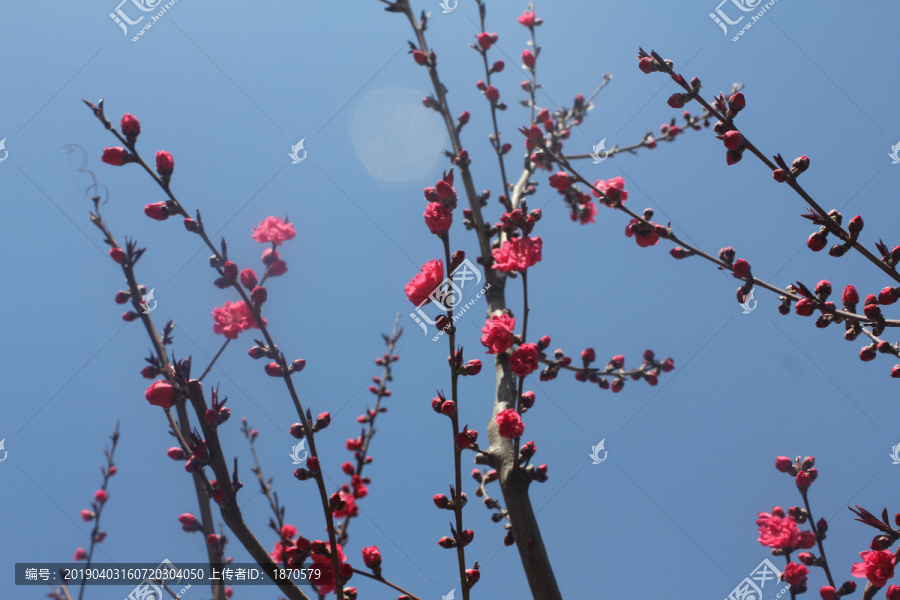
{"points": [[779, 175], [783, 464], [648, 65], [588, 355], [804, 307], [259, 295], [117, 254], [131, 127], [867, 353], [741, 268], [157, 211], [733, 139], [737, 103], [803, 481], [116, 156], [161, 393], [676, 100], [817, 241], [273, 369], [165, 164], [420, 57]]}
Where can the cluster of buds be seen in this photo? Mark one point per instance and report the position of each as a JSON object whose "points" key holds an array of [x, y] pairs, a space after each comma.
{"points": [[678, 100], [275, 369], [783, 173], [458, 363], [581, 206], [426, 60], [803, 471], [649, 369], [452, 502], [819, 239], [218, 413], [461, 539], [442, 200], [199, 456]]}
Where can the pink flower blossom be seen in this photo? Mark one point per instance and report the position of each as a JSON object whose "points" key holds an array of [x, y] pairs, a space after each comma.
{"points": [[586, 213], [777, 532], [323, 563], [232, 319], [275, 230], [524, 360], [372, 557], [795, 574], [614, 190], [877, 567], [517, 254], [509, 423], [438, 218], [425, 282], [527, 19], [350, 509], [497, 333]]}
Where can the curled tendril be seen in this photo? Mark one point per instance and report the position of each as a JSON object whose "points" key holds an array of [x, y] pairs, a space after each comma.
{"points": [[95, 190]]}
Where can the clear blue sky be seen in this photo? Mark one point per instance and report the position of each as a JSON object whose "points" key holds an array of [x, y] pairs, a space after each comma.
{"points": [[229, 89]]}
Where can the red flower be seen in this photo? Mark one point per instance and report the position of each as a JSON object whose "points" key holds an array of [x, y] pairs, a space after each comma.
{"points": [[324, 564], [116, 156], [614, 190], [517, 254], [420, 57], [492, 93], [131, 127], [161, 393], [275, 230], [795, 574], [587, 213], [371, 556], [877, 567], [509, 423], [777, 532], [827, 592], [497, 333], [350, 509], [643, 235], [425, 282], [232, 319], [87, 515], [438, 218], [80, 554], [783, 464], [165, 164], [893, 592], [560, 181], [850, 295], [101, 496], [524, 360]]}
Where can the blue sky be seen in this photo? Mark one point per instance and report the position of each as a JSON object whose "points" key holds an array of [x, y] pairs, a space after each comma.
{"points": [[229, 90]]}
